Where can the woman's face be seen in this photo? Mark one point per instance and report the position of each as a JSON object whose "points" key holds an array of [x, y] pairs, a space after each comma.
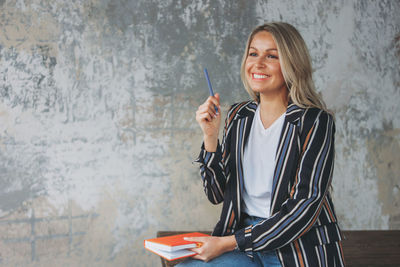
{"points": [[263, 70]]}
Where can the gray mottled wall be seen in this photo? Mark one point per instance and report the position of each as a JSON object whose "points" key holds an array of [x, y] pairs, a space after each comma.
{"points": [[97, 129]]}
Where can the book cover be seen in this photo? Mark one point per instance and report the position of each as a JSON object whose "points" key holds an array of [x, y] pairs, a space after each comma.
{"points": [[172, 247]]}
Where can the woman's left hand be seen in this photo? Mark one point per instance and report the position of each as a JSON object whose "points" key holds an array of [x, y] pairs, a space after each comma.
{"points": [[212, 246]]}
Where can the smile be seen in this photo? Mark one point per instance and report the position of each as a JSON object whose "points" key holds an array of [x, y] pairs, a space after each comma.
{"points": [[259, 76]]}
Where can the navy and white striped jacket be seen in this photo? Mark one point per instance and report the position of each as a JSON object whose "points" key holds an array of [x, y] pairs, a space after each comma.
{"points": [[302, 226]]}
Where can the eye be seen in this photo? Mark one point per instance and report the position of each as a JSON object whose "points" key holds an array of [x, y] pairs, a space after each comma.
{"points": [[272, 56], [253, 54]]}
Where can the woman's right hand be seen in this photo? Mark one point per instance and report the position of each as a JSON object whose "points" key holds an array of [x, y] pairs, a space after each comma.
{"points": [[209, 121]]}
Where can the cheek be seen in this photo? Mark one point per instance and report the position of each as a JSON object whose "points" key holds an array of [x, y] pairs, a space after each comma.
{"points": [[247, 67], [277, 70]]}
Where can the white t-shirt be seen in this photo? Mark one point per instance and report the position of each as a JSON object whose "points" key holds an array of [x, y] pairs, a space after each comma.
{"points": [[259, 165]]}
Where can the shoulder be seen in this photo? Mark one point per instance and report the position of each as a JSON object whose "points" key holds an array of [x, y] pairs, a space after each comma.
{"points": [[314, 114], [244, 108], [315, 117]]}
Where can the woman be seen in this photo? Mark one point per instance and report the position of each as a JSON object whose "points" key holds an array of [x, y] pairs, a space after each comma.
{"points": [[274, 166]]}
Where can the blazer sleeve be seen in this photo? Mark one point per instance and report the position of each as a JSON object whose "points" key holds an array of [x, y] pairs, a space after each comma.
{"points": [[213, 169], [299, 212]]}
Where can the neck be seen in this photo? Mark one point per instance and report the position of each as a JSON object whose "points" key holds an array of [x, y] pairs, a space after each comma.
{"points": [[274, 104]]}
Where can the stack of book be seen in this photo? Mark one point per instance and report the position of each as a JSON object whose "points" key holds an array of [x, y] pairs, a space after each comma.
{"points": [[173, 247]]}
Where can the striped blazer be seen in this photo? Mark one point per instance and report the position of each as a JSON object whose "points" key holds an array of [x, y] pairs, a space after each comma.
{"points": [[302, 226]]}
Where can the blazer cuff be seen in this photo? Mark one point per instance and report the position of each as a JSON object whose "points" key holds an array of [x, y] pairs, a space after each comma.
{"points": [[244, 240], [209, 158]]}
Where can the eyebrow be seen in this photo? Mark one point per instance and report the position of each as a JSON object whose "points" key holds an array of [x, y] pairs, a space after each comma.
{"points": [[269, 49]]}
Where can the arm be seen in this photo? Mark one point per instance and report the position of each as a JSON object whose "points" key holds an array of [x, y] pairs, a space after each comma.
{"points": [[299, 212], [213, 169], [212, 159]]}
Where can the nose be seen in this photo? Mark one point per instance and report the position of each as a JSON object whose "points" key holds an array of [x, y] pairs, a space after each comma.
{"points": [[260, 63]]}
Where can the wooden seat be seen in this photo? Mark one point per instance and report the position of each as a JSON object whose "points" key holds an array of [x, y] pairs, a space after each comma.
{"points": [[360, 248], [372, 248]]}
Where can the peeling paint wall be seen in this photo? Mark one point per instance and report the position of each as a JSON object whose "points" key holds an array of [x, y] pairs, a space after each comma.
{"points": [[97, 106]]}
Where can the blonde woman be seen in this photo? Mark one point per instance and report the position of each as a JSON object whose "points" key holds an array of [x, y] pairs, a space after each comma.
{"points": [[274, 166]]}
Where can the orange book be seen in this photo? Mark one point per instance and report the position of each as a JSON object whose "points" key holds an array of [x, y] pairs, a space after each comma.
{"points": [[172, 247]]}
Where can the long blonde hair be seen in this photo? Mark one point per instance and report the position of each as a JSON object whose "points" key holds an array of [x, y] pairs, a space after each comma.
{"points": [[295, 64]]}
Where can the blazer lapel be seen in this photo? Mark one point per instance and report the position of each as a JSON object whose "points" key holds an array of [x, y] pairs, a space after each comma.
{"points": [[244, 118], [288, 144]]}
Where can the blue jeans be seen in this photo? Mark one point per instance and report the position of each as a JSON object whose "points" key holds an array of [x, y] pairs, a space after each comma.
{"points": [[238, 258]]}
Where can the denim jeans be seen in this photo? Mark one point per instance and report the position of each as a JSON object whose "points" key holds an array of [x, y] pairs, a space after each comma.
{"points": [[239, 258]]}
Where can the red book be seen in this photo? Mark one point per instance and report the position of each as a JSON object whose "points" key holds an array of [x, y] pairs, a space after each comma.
{"points": [[172, 247]]}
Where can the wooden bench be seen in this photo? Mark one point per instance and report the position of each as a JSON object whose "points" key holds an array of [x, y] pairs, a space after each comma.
{"points": [[372, 248], [361, 248]]}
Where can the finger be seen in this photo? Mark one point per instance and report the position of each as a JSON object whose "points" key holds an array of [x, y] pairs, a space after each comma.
{"points": [[212, 112], [197, 257], [208, 108], [210, 103], [217, 96], [214, 100], [194, 239], [206, 117], [215, 109], [195, 250], [199, 114], [202, 111]]}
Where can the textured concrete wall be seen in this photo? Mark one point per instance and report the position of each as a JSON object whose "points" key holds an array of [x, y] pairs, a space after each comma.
{"points": [[97, 129]]}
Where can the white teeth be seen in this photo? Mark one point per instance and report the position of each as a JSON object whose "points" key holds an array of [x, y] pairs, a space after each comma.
{"points": [[259, 76]]}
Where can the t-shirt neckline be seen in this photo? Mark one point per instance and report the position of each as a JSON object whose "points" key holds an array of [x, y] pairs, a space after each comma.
{"points": [[272, 126]]}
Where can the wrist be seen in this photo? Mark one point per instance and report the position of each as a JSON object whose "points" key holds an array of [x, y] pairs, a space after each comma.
{"points": [[229, 243], [210, 143]]}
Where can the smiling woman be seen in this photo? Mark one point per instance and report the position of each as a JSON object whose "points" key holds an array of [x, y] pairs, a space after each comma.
{"points": [[274, 166]]}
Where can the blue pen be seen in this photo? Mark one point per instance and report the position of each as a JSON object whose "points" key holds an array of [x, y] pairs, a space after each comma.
{"points": [[209, 85]]}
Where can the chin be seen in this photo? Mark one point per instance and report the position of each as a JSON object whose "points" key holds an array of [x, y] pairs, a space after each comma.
{"points": [[260, 90]]}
